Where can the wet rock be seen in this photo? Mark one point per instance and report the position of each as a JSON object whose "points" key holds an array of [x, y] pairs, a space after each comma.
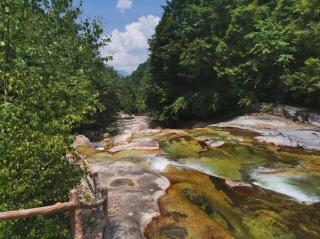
{"points": [[134, 124], [171, 133], [174, 232], [278, 130], [122, 138], [183, 148], [214, 144], [113, 128], [93, 135], [233, 184], [295, 138], [255, 123], [125, 116], [214, 209], [150, 131], [134, 155], [178, 217], [99, 146], [82, 140], [119, 182], [127, 230], [107, 142], [138, 144], [133, 196], [298, 114]]}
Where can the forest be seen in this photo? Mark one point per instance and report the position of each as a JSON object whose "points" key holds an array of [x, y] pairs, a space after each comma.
{"points": [[208, 58]]}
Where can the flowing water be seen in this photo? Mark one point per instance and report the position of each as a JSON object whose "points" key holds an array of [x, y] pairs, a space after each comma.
{"points": [[224, 183]]}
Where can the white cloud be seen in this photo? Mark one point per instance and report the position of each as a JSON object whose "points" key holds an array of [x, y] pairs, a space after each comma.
{"points": [[130, 48], [124, 5]]}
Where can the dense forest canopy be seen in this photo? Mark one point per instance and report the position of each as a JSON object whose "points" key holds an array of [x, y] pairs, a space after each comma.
{"points": [[53, 80], [210, 57], [136, 83]]}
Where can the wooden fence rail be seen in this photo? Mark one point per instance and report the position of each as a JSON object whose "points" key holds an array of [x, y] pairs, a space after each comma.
{"points": [[74, 206], [41, 211]]}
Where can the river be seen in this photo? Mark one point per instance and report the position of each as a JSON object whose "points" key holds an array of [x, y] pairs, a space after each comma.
{"points": [[255, 177]]}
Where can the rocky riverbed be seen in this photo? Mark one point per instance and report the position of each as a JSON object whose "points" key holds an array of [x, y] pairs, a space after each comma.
{"points": [[278, 130], [256, 176]]}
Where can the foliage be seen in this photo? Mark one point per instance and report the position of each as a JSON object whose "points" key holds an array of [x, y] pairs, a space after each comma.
{"points": [[111, 96], [135, 85], [305, 82], [211, 57], [52, 81]]}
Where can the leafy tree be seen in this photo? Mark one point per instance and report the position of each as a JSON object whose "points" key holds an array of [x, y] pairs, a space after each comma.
{"points": [[110, 93], [182, 62], [135, 84], [53, 80], [211, 57], [305, 83]]}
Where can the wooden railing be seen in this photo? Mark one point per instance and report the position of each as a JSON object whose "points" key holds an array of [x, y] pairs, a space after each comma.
{"points": [[73, 206]]}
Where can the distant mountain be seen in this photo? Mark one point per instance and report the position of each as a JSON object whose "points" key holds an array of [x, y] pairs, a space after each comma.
{"points": [[123, 74], [139, 73]]}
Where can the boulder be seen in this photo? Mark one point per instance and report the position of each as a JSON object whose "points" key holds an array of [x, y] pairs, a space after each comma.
{"points": [[93, 135], [214, 143], [82, 140], [99, 146], [302, 115]]}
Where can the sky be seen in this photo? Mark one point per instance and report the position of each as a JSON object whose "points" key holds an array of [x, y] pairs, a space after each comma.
{"points": [[129, 23]]}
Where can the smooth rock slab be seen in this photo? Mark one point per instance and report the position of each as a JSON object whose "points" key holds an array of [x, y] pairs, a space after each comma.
{"points": [[305, 139], [278, 130], [122, 138], [133, 197], [127, 127], [138, 144], [298, 114]]}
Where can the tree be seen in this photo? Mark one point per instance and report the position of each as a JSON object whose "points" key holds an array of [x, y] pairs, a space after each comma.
{"points": [[135, 85], [50, 66], [185, 83], [214, 57], [305, 83]]}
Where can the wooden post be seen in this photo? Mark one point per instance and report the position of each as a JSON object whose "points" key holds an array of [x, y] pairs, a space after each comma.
{"points": [[76, 220], [73, 206], [95, 181], [104, 193]]}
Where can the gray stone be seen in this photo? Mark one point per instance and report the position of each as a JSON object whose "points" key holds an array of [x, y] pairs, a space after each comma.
{"points": [[278, 130], [214, 144], [133, 196], [82, 140], [302, 115], [139, 144], [99, 146]]}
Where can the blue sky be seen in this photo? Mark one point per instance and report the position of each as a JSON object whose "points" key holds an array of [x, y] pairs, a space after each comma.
{"points": [[129, 23]]}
